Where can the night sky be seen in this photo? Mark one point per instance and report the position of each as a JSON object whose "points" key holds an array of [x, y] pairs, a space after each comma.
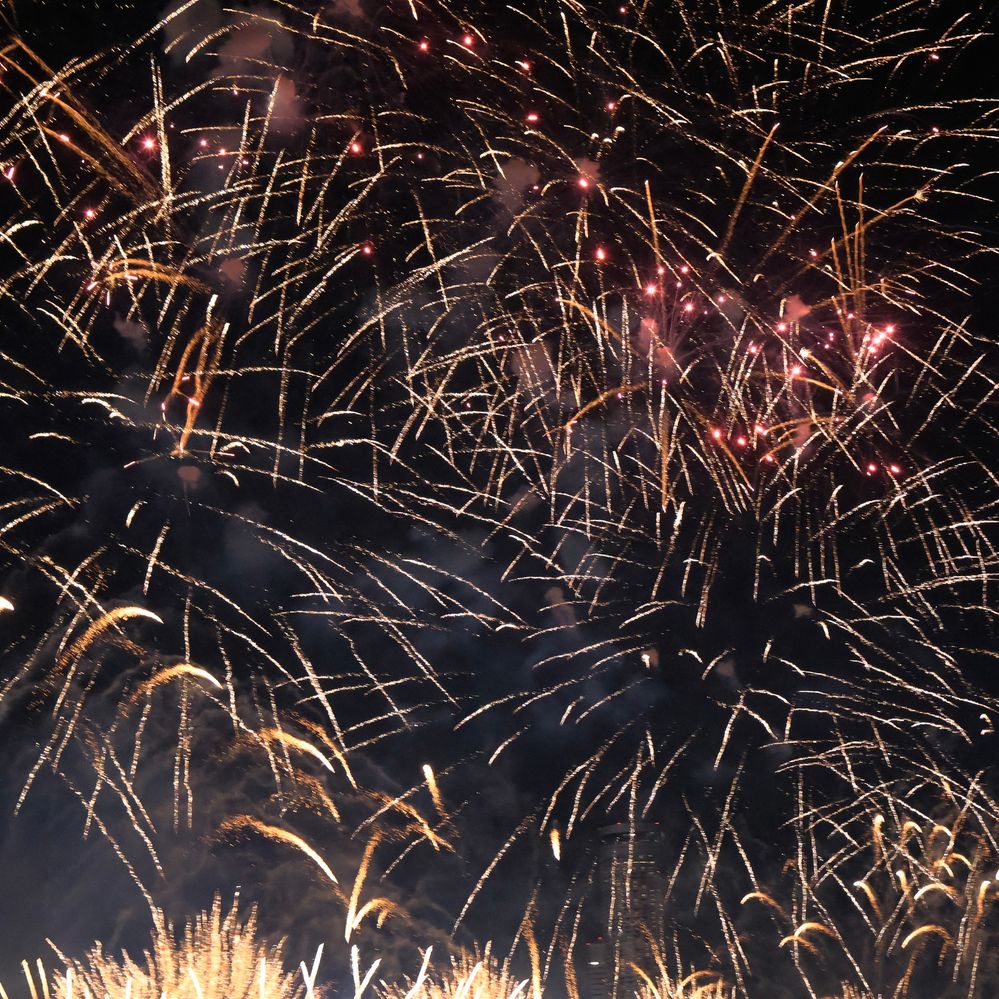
{"points": [[594, 404]]}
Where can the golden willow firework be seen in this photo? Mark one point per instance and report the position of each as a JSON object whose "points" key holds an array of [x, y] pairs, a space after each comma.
{"points": [[668, 310]]}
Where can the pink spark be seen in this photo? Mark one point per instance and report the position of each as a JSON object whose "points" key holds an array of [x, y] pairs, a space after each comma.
{"points": [[895, 470], [601, 254], [716, 434], [148, 143], [871, 468], [356, 148], [533, 116], [424, 46], [740, 441], [468, 41]]}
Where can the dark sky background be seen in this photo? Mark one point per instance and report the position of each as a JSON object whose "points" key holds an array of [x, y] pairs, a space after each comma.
{"points": [[56, 884]]}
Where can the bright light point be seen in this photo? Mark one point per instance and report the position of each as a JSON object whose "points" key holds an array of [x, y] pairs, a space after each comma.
{"points": [[769, 459], [871, 468], [716, 434], [355, 148], [795, 371], [813, 253], [689, 307], [89, 213], [753, 349], [805, 352], [584, 182], [148, 142], [63, 137], [895, 470], [660, 271], [934, 56], [722, 299], [889, 330], [611, 105], [424, 46], [782, 327], [532, 117], [468, 41], [367, 249], [684, 269], [740, 441], [760, 430], [650, 289], [601, 254]]}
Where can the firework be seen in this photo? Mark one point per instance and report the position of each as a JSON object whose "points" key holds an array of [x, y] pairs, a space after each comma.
{"points": [[217, 955], [665, 310]]}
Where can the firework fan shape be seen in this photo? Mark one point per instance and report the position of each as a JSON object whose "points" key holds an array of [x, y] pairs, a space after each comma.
{"points": [[659, 322]]}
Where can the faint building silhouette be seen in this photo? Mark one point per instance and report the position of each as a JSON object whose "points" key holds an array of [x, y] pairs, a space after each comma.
{"points": [[629, 904]]}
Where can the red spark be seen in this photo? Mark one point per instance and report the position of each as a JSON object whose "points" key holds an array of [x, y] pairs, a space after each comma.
{"points": [[148, 143], [601, 254]]}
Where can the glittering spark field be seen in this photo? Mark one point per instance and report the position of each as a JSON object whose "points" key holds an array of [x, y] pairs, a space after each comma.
{"points": [[501, 499]]}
